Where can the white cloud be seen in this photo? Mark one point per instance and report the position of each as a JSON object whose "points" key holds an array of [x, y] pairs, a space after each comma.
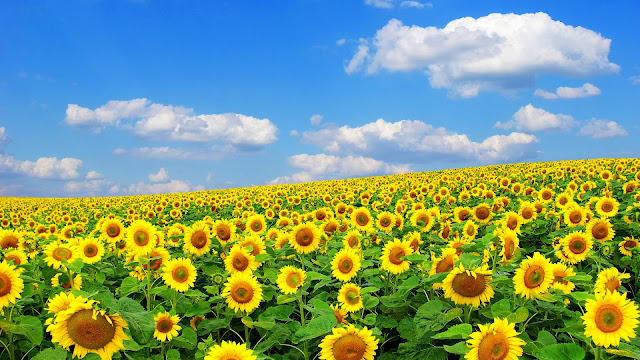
{"points": [[600, 129], [89, 187], [294, 133], [164, 152], [300, 177], [316, 119], [173, 186], [341, 42], [420, 142], [161, 176], [94, 175], [415, 4], [4, 138], [208, 178], [532, 119], [384, 4], [569, 92], [635, 80], [498, 52], [44, 167], [169, 122]]}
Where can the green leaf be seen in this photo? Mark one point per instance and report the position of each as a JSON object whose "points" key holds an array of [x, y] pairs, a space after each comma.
{"points": [[186, 340], [626, 350], [208, 325], [130, 285], [28, 326], [51, 354], [281, 312], [386, 322], [460, 331], [370, 319], [560, 352], [315, 328], [581, 296], [501, 309], [283, 299], [198, 309], [545, 338], [519, 316], [430, 309], [470, 261], [173, 354], [408, 284], [460, 348], [140, 322], [415, 258]]}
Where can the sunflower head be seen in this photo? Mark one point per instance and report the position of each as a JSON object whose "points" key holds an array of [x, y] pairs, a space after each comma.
{"points": [[242, 292], [468, 287], [392, 255], [534, 276], [609, 318], [179, 274], [349, 343], [349, 297], [497, 341], [230, 350], [166, 326], [290, 279], [345, 264]]}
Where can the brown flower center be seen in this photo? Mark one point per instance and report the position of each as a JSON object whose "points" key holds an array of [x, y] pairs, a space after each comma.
{"points": [[352, 297], [14, 258], [240, 262], [482, 213], [256, 226], [242, 292], [608, 318], [577, 245], [362, 219], [224, 233], [462, 215], [345, 265], [607, 207], [468, 286], [600, 231], [5, 284], [527, 213], [90, 250], [445, 265], [141, 238], [396, 254], [627, 245], [293, 280], [9, 241], [180, 274], [512, 223], [199, 239], [304, 237], [62, 253], [612, 285], [349, 347], [509, 248], [113, 230], [88, 332], [493, 347], [534, 276], [164, 325]]}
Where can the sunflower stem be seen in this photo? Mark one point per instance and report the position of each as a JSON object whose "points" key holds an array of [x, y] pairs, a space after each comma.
{"points": [[302, 322], [597, 353], [247, 339], [468, 317], [10, 336], [149, 274]]}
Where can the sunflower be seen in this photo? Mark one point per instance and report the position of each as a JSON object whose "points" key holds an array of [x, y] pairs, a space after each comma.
{"points": [[385, 221], [90, 250], [340, 314], [166, 326], [195, 321], [62, 302], [600, 229], [56, 251], [560, 272], [574, 216], [197, 239], [140, 237], [65, 283], [161, 254], [460, 214], [179, 274], [242, 292], [290, 279], [88, 330], [240, 260], [625, 246], [497, 341], [470, 230], [609, 280], [11, 285], [468, 287], [255, 243], [392, 256], [534, 276], [482, 213], [256, 224], [352, 239], [610, 317], [230, 350], [576, 246], [445, 232], [349, 343], [362, 219], [9, 239], [305, 238], [443, 263], [510, 242], [345, 264], [607, 207], [422, 219], [527, 211], [349, 297], [414, 240], [16, 257], [512, 221]]}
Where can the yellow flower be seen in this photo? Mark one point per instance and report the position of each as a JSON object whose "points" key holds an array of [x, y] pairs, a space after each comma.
{"points": [[290, 279], [534, 276], [55, 252], [140, 237], [574, 216], [609, 280], [230, 350], [66, 284], [392, 257], [482, 213], [349, 343], [609, 318], [361, 219], [607, 207], [513, 221], [510, 242], [15, 257], [560, 272], [62, 302], [468, 287], [625, 246], [197, 239], [349, 297], [9, 239], [345, 264], [89, 250], [256, 224], [576, 246], [385, 221], [496, 341], [166, 326], [179, 274], [305, 238], [600, 229], [112, 230], [11, 285], [423, 220], [240, 260], [242, 292]]}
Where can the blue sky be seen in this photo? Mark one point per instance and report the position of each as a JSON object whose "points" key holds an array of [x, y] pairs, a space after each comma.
{"points": [[105, 98]]}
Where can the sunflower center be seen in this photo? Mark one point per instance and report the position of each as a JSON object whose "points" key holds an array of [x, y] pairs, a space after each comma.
{"points": [[445, 264], [493, 347], [121, 244], [352, 297], [482, 213], [463, 215], [509, 248], [385, 221], [575, 217], [423, 218], [349, 347], [155, 264], [559, 278], [256, 226], [16, 259], [9, 241], [293, 280], [612, 285], [164, 325], [199, 239], [471, 231], [242, 292], [90, 250], [240, 262], [527, 213], [68, 234], [608, 318], [415, 245], [600, 231], [629, 244], [468, 286], [446, 231], [607, 207], [339, 317], [577, 246], [362, 219], [5, 284], [304, 237], [113, 230], [88, 332], [353, 241], [546, 195], [62, 253], [180, 274], [512, 224], [395, 255], [320, 215], [345, 265], [224, 233], [141, 238], [534, 276]]}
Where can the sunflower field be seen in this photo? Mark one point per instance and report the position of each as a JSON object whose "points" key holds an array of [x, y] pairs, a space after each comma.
{"points": [[520, 261]]}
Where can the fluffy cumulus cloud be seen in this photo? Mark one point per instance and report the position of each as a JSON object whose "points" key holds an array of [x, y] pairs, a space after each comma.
{"points": [[420, 142], [167, 122], [90, 187], [384, 4], [564, 92], [316, 119], [161, 176], [498, 52], [94, 175], [323, 166], [43, 168], [600, 129], [4, 138], [532, 119], [415, 4], [165, 152]]}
